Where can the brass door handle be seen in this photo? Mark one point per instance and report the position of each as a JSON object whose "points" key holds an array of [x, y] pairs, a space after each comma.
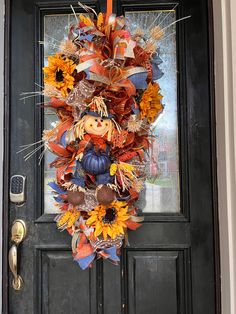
{"points": [[18, 233]]}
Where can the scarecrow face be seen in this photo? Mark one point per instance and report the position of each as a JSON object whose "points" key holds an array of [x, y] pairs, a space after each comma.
{"points": [[96, 125]]}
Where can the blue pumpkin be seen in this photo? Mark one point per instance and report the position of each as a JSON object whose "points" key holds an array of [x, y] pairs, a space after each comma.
{"points": [[95, 162]]}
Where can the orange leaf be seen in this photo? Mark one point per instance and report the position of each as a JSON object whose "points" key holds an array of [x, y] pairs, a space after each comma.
{"points": [[57, 103], [81, 241], [58, 150], [132, 225], [84, 251], [63, 127]]}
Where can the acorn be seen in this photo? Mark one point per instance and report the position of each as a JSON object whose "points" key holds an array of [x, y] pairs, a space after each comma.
{"points": [[105, 195], [75, 197]]}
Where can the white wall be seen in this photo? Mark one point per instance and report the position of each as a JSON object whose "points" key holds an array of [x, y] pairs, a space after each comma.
{"points": [[225, 72], [1, 125]]}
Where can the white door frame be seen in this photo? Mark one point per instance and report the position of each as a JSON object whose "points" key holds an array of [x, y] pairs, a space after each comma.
{"points": [[225, 93], [225, 79]]}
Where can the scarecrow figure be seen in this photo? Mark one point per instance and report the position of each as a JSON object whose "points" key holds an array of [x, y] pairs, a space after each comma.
{"points": [[93, 133]]}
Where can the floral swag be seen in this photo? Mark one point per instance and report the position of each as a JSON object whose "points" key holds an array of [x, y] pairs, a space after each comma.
{"points": [[102, 84]]}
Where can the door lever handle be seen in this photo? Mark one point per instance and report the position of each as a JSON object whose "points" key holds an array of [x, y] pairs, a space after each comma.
{"points": [[18, 233]]}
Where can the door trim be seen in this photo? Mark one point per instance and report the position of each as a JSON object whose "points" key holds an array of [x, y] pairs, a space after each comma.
{"points": [[225, 73], [2, 4], [211, 39], [6, 132]]}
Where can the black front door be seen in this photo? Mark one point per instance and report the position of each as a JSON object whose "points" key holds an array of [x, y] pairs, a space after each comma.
{"points": [[170, 265]]}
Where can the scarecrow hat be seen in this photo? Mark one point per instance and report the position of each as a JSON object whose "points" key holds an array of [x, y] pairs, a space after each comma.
{"points": [[96, 114]]}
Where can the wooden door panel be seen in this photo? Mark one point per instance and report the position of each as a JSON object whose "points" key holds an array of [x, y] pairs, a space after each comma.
{"points": [[161, 234], [154, 275], [112, 279], [56, 290]]}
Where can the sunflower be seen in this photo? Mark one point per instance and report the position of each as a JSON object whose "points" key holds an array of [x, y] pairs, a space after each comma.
{"points": [[59, 73], [109, 220], [150, 105]]}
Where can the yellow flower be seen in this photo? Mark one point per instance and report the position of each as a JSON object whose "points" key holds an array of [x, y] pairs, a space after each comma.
{"points": [[150, 105], [152, 113], [109, 220], [59, 73]]}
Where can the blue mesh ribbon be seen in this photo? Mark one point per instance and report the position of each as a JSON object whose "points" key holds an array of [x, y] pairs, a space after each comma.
{"points": [[86, 261]]}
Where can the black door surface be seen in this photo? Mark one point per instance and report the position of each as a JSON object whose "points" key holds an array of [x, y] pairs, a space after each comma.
{"points": [[170, 265]]}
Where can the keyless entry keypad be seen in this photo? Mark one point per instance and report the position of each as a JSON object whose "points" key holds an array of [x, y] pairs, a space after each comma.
{"points": [[17, 189]]}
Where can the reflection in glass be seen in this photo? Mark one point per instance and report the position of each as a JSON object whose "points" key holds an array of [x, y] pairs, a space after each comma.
{"points": [[162, 187]]}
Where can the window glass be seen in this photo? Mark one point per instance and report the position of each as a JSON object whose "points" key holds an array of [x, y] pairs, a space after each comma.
{"points": [[161, 193]]}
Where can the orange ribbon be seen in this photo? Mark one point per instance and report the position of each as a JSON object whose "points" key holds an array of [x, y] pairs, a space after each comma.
{"points": [[109, 9]]}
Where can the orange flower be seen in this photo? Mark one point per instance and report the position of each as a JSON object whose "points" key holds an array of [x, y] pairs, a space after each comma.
{"points": [[150, 105], [59, 73]]}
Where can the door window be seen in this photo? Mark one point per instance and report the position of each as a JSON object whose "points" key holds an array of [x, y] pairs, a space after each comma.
{"points": [[161, 193]]}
